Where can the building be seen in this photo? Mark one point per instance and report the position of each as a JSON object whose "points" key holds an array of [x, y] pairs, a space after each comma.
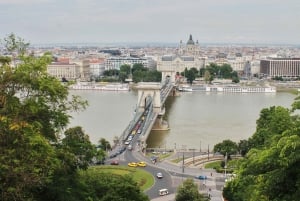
{"points": [[84, 64], [280, 67], [64, 70], [96, 67], [114, 63], [187, 57]]}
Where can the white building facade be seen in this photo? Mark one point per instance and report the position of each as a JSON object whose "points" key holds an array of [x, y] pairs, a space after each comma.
{"points": [[64, 70]]}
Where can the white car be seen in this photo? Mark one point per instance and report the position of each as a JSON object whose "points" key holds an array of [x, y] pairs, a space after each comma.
{"points": [[163, 192], [127, 142], [159, 175]]}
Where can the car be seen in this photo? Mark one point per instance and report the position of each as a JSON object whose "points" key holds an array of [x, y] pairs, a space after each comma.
{"points": [[201, 177], [141, 164], [163, 191], [159, 175], [132, 164], [114, 162], [127, 142], [113, 155], [129, 147]]}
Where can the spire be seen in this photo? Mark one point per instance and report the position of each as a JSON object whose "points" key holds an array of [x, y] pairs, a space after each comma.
{"points": [[190, 41]]}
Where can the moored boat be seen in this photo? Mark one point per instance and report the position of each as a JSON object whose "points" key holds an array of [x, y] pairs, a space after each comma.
{"points": [[95, 86]]}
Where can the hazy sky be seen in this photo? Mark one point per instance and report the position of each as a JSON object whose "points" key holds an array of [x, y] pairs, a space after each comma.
{"points": [[110, 21]]}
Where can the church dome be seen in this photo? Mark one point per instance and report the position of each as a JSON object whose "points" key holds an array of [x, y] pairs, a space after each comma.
{"points": [[190, 41]]}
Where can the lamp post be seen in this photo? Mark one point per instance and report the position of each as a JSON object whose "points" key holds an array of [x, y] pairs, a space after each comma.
{"points": [[208, 152], [193, 156], [225, 167], [200, 147], [182, 162]]}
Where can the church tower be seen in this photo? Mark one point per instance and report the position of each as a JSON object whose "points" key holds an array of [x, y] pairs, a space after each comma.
{"points": [[191, 48]]}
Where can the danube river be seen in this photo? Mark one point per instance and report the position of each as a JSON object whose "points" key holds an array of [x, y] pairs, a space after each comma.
{"points": [[196, 119]]}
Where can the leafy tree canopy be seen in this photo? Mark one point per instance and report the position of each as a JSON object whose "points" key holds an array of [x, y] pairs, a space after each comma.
{"points": [[188, 191]]}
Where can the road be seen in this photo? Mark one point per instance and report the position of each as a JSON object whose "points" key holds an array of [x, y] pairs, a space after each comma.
{"points": [[174, 175]]}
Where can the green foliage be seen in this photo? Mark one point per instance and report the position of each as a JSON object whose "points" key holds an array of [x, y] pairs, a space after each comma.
{"points": [[213, 71], [243, 147], [190, 76], [110, 187], [270, 170], [188, 191], [272, 122], [78, 145], [26, 159], [226, 147]]}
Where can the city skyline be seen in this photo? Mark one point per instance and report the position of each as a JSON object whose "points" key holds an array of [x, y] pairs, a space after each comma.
{"points": [[155, 21]]}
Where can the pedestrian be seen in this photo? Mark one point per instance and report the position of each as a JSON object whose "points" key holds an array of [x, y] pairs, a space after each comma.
{"points": [[211, 174]]}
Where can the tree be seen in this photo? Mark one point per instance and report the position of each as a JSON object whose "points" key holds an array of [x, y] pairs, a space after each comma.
{"points": [[243, 147], [34, 109], [207, 77], [226, 147], [138, 67], [225, 70], [27, 160], [126, 69], [272, 122], [188, 191], [270, 170], [77, 143], [190, 76], [109, 187], [104, 144]]}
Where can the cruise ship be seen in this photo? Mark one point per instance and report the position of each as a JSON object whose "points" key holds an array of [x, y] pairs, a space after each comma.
{"points": [[94, 86], [228, 89]]}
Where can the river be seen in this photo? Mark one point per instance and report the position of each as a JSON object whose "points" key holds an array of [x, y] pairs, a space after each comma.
{"points": [[196, 119]]}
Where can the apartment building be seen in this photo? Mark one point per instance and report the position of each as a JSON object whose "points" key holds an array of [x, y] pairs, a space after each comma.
{"points": [[280, 67], [69, 71], [116, 62]]}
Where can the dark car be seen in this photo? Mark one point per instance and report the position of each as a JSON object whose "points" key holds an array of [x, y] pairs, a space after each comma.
{"points": [[114, 162], [113, 155], [201, 177]]}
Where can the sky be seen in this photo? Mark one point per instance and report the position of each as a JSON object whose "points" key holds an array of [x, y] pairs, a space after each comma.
{"points": [[152, 21]]}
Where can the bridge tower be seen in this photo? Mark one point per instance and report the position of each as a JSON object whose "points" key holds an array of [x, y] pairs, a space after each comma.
{"points": [[149, 91]]}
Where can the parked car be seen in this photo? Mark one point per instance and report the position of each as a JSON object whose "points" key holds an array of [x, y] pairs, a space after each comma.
{"points": [[114, 162], [201, 177], [159, 175]]}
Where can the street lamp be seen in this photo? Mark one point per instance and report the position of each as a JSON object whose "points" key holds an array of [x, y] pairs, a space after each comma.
{"points": [[225, 167], [182, 162], [208, 152], [193, 156]]}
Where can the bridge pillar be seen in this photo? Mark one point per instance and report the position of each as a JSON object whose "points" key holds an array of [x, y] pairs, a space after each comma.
{"points": [[148, 91], [170, 74]]}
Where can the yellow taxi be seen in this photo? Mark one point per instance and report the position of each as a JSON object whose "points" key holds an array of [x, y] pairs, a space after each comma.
{"points": [[132, 164], [141, 164]]}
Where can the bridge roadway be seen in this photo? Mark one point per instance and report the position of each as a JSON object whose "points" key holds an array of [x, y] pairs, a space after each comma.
{"points": [[142, 123]]}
